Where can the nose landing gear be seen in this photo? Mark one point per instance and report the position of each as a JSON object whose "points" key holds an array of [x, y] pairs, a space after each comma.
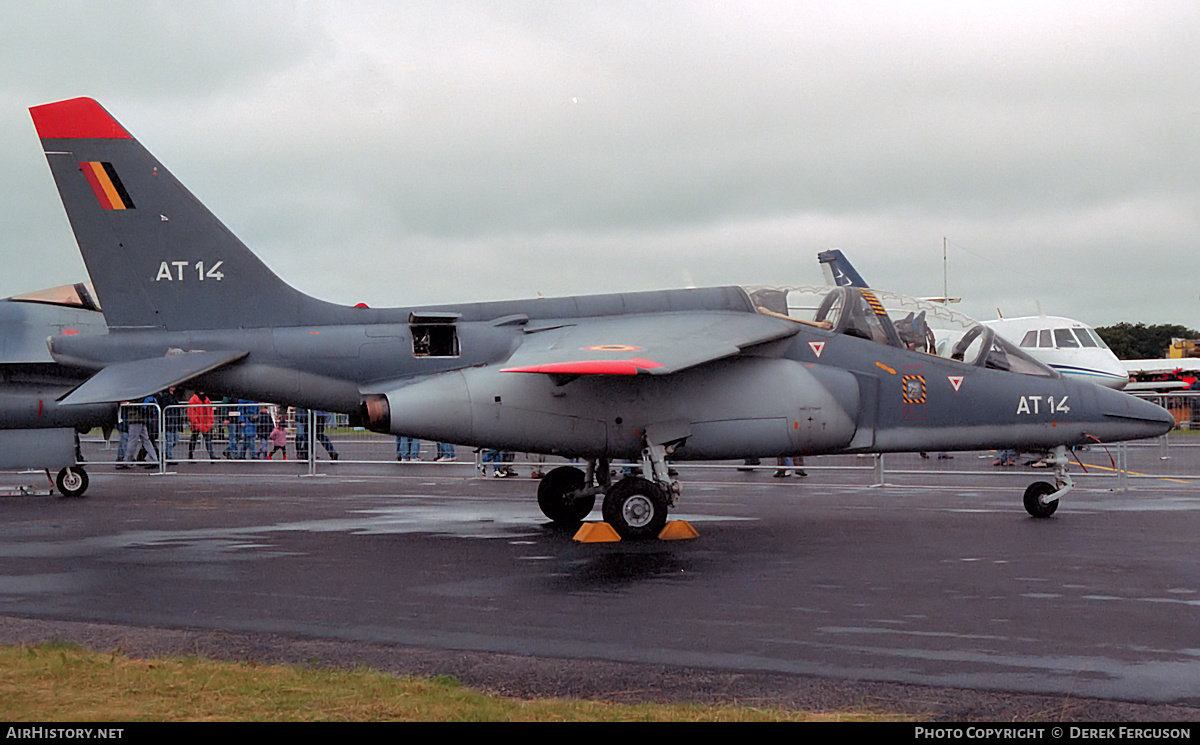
{"points": [[1041, 498]]}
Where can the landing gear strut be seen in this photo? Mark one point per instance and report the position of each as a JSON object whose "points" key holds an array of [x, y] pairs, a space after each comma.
{"points": [[1041, 498]]}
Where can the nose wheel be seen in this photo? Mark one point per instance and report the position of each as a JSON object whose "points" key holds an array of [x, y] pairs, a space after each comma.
{"points": [[1035, 499]]}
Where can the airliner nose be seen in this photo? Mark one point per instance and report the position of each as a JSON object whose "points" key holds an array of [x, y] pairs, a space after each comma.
{"points": [[1115, 375]]}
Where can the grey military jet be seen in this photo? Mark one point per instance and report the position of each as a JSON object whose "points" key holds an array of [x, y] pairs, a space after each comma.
{"points": [[714, 373], [35, 430]]}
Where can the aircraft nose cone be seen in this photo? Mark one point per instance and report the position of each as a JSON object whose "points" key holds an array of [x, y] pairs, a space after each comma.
{"points": [[1162, 417], [1133, 418]]}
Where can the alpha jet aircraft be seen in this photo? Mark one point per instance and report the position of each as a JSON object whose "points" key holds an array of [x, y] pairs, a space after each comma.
{"points": [[35, 430], [685, 374]]}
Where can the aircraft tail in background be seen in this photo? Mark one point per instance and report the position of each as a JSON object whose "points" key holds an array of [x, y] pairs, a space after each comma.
{"points": [[838, 270]]}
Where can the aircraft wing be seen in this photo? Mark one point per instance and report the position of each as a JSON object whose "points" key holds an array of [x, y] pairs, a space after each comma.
{"points": [[133, 381], [654, 344], [1161, 366]]}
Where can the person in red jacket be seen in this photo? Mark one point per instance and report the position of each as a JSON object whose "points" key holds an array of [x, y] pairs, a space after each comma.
{"points": [[200, 417]]}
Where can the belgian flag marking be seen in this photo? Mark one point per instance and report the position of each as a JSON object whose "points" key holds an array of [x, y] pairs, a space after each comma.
{"points": [[106, 185]]}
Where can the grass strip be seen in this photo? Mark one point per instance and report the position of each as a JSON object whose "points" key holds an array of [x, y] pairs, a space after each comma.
{"points": [[65, 682]]}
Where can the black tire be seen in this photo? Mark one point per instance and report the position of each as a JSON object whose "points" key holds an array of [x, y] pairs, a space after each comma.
{"points": [[552, 496], [635, 508], [72, 482], [1035, 503]]}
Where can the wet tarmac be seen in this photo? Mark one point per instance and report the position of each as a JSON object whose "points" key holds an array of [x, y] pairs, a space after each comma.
{"points": [[949, 584]]}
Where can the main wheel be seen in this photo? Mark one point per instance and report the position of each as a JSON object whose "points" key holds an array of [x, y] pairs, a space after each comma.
{"points": [[635, 508], [555, 496], [72, 482], [1035, 499]]}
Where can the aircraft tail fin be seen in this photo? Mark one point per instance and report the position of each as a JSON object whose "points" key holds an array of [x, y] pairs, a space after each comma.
{"points": [[157, 257], [838, 270]]}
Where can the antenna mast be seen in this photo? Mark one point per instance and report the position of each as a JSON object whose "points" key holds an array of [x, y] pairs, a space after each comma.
{"points": [[945, 281]]}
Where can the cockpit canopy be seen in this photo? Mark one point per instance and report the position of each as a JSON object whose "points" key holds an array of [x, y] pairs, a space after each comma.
{"points": [[899, 321]]}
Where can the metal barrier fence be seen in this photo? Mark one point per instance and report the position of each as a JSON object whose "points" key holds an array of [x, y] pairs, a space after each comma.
{"points": [[246, 433], [1183, 405]]}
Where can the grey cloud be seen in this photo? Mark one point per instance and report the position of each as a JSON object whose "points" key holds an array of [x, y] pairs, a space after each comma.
{"points": [[592, 147]]}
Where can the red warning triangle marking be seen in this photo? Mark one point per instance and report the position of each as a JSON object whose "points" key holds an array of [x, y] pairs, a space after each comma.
{"points": [[817, 347], [956, 381]]}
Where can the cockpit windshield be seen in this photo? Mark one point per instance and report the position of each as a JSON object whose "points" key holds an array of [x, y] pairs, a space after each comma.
{"points": [[899, 321], [78, 295]]}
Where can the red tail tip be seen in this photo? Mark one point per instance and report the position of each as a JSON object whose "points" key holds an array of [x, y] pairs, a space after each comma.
{"points": [[76, 118]]}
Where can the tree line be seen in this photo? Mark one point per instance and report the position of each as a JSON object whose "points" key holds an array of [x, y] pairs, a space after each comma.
{"points": [[1137, 341]]}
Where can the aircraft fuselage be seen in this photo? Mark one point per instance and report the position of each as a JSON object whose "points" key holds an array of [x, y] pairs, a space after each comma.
{"points": [[815, 392]]}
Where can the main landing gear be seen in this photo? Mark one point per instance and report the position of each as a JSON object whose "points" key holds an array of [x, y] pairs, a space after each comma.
{"points": [[563, 497], [635, 507], [1041, 498]]}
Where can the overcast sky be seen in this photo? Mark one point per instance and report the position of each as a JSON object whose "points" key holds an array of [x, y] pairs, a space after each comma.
{"points": [[399, 153]]}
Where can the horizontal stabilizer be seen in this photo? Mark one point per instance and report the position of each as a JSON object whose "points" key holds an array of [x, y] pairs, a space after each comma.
{"points": [[133, 381], [655, 344]]}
